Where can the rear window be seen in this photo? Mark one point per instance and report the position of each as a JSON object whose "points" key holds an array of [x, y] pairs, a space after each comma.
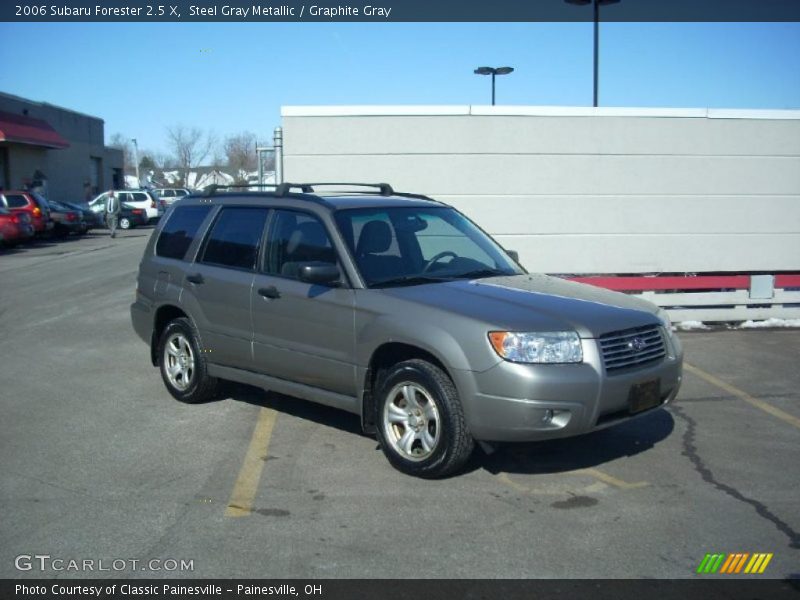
{"points": [[16, 201], [139, 197], [180, 230]]}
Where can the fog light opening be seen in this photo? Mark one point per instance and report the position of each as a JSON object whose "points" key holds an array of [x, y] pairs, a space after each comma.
{"points": [[548, 417]]}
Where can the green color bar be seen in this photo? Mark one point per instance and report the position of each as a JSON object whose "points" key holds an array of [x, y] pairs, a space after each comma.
{"points": [[701, 568], [717, 564]]}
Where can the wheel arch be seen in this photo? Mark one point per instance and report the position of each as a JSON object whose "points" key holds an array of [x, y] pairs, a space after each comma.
{"points": [[163, 316], [383, 357]]}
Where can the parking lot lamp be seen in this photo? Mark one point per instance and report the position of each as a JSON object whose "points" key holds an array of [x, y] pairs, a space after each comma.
{"points": [[596, 4], [136, 161], [493, 72]]}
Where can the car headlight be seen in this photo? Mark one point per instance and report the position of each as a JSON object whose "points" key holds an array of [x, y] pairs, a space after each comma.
{"points": [[542, 348], [665, 320]]}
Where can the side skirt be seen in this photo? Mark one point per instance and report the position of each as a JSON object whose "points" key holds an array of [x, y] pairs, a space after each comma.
{"points": [[290, 388]]}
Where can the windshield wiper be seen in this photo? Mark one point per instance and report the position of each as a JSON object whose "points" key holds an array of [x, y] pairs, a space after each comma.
{"points": [[480, 273], [407, 280]]}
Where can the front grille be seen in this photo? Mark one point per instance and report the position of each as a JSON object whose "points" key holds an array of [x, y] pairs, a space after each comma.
{"points": [[632, 347]]}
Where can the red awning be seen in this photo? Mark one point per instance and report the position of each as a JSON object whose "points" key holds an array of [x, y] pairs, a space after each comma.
{"points": [[25, 130]]}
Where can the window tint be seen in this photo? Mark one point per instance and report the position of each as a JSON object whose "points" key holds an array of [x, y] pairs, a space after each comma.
{"points": [[138, 197], [295, 238], [179, 232], [168, 194], [234, 238], [16, 200]]}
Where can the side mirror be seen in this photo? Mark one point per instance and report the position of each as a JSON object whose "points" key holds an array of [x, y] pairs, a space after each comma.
{"points": [[319, 273], [514, 255]]}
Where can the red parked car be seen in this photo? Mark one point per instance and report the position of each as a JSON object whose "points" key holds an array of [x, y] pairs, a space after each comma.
{"points": [[31, 203], [15, 227]]}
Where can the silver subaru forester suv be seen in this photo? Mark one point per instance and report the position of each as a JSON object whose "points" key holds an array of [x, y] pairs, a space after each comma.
{"points": [[399, 309]]}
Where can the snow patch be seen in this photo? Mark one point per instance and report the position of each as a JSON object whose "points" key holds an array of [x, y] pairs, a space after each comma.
{"points": [[690, 325], [770, 323]]}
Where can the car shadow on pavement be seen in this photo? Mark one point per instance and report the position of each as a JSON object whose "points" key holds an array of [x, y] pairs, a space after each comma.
{"points": [[303, 409], [583, 452], [532, 458]]}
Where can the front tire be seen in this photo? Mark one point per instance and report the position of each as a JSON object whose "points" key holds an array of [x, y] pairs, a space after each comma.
{"points": [[183, 364], [421, 424]]}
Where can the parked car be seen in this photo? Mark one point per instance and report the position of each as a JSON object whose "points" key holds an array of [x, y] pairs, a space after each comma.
{"points": [[67, 220], [90, 218], [168, 196], [129, 216], [399, 309], [31, 203], [143, 199], [15, 227]]}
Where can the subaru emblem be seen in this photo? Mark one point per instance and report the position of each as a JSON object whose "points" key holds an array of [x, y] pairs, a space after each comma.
{"points": [[637, 344]]}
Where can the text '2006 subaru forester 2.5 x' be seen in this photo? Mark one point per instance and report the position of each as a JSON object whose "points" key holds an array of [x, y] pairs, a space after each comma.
{"points": [[399, 309]]}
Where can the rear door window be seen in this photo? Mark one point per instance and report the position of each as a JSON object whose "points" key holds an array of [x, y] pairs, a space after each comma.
{"points": [[235, 238], [179, 232], [16, 201]]}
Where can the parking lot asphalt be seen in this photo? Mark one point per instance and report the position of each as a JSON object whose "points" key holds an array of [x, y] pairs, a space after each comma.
{"points": [[99, 462]]}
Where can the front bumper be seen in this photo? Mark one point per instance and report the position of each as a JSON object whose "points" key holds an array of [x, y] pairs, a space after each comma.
{"points": [[517, 402]]}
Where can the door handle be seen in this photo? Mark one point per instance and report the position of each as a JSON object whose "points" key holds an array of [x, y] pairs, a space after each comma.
{"points": [[269, 292], [196, 278]]}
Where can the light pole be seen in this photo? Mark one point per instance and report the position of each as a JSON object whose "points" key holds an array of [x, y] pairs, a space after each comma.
{"points": [[136, 160], [596, 4], [493, 71]]}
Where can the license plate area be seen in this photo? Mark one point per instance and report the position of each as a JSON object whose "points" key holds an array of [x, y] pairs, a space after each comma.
{"points": [[644, 396]]}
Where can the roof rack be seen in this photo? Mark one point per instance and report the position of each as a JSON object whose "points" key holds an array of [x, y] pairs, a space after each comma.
{"points": [[212, 189], [384, 188]]}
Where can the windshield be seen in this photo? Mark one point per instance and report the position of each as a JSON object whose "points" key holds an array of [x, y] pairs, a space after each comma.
{"points": [[412, 245]]}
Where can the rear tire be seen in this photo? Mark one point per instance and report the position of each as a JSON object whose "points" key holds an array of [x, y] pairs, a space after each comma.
{"points": [[183, 364], [125, 223], [420, 421]]}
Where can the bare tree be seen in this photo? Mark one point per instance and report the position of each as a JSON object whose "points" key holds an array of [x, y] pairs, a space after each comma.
{"points": [[122, 142], [240, 154], [190, 147]]}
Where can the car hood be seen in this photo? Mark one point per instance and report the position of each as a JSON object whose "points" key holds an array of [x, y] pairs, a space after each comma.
{"points": [[533, 303]]}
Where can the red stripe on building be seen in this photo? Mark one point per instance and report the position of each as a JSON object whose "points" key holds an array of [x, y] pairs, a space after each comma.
{"points": [[700, 282]]}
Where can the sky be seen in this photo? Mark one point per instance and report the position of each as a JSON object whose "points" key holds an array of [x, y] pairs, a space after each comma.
{"points": [[143, 78]]}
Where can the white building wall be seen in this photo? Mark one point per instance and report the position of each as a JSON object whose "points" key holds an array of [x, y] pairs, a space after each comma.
{"points": [[579, 190]]}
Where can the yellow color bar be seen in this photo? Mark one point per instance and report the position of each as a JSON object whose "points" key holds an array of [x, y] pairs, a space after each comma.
{"points": [[757, 558], [765, 563]]}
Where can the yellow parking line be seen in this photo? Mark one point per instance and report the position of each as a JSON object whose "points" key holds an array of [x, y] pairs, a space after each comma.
{"points": [[766, 407], [244, 491], [610, 480], [602, 478]]}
